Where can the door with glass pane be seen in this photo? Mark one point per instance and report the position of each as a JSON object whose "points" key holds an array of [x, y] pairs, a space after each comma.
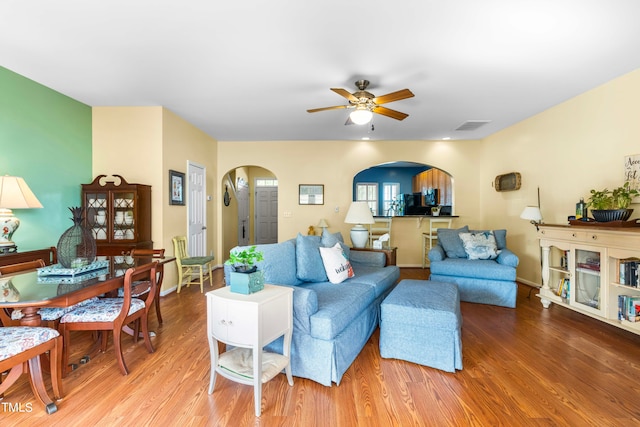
{"points": [[586, 290]]}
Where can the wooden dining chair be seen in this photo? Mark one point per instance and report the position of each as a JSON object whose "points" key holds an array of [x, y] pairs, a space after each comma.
{"points": [[23, 345], [22, 266], [112, 314], [189, 266], [153, 253]]}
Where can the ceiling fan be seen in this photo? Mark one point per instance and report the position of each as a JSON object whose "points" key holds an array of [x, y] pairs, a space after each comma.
{"points": [[365, 103]]}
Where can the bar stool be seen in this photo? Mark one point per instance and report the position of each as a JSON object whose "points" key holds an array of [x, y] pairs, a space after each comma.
{"points": [[432, 235]]}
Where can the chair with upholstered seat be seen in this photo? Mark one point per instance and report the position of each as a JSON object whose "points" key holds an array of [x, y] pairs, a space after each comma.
{"points": [[153, 253], [381, 226], [189, 266], [113, 314], [23, 345]]}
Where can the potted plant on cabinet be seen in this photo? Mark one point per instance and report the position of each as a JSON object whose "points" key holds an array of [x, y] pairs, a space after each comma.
{"points": [[246, 278], [612, 205]]}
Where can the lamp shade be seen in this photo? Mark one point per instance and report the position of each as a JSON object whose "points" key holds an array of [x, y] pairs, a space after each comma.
{"points": [[359, 213], [532, 213], [16, 194], [323, 223]]}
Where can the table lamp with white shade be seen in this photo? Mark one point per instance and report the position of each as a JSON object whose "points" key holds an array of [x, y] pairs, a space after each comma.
{"points": [[14, 194], [323, 224], [359, 213]]}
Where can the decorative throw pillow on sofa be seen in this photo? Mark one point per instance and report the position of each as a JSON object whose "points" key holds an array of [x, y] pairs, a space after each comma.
{"points": [[309, 267], [450, 241], [330, 239], [336, 264], [480, 245]]}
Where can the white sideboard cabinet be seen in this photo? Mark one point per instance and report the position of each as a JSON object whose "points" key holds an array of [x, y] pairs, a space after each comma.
{"points": [[588, 268]]}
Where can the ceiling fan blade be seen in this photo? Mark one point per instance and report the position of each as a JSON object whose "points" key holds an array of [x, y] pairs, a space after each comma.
{"points": [[337, 107], [390, 113], [345, 93], [393, 96]]}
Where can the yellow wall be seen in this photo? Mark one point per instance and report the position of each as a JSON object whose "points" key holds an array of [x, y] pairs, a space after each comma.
{"points": [[142, 144], [565, 151], [337, 163]]}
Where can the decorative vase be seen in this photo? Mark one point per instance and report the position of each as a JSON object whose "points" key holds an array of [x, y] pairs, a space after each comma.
{"points": [[247, 283], [607, 215], [76, 246]]}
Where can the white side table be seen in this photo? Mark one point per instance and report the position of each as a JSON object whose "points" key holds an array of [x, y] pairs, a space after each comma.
{"points": [[250, 322]]}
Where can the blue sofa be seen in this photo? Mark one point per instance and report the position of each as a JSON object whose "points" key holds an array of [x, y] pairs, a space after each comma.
{"points": [[485, 281], [331, 322]]}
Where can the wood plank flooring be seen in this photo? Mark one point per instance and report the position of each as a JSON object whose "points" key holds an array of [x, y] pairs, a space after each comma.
{"points": [[522, 367]]}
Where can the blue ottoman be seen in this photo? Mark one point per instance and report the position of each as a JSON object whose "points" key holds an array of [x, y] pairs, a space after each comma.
{"points": [[420, 322]]}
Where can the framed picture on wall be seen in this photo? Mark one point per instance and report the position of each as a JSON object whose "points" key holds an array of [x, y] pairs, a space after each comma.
{"points": [[176, 188], [311, 194]]}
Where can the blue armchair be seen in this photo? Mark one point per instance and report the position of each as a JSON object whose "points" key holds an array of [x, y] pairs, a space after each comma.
{"points": [[485, 281]]}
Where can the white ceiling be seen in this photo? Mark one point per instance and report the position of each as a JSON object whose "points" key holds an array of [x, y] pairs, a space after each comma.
{"points": [[249, 69]]}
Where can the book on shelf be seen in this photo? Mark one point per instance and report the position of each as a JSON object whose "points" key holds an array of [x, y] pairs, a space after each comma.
{"points": [[628, 272], [629, 308], [563, 288]]}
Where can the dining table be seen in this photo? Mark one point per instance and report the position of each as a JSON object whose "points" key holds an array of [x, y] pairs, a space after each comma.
{"points": [[38, 291]]}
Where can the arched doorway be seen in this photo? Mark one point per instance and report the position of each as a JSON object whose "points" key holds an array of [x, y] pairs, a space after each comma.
{"points": [[251, 214]]}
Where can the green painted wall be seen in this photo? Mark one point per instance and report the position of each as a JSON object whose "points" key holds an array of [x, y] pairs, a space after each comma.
{"points": [[45, 137]]}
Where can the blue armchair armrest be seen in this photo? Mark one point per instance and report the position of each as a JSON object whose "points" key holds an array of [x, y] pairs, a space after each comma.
{"points": [[436, 253], [508, 258]]}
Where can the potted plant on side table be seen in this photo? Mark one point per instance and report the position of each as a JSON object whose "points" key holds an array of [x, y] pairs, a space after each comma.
{"points": [[612, 205], [246, 278]]}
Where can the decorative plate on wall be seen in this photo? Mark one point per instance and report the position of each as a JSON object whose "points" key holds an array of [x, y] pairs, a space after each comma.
{"points": [[508, 182]]}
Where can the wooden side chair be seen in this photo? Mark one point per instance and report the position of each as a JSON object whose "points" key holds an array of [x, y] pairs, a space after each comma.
{"points": [[112, 314], [189, 266], [23, 345], [153, 253], [22, 266]]}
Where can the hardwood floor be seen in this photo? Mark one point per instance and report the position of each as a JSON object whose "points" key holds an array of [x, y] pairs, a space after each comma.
{"points": [[522, 367]]}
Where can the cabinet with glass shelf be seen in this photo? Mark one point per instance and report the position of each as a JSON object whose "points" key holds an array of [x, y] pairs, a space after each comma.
{"points": [[598, 261], [118, 214]]}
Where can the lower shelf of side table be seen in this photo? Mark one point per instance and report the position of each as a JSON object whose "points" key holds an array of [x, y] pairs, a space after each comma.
{"points": [[237, 365]]}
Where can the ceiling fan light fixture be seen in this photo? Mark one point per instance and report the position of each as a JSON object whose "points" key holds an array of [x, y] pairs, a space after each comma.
{"points": [[361, 115]]}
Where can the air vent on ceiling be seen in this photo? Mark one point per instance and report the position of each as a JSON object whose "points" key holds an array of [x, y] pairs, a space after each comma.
{"points": [[472, 124]]}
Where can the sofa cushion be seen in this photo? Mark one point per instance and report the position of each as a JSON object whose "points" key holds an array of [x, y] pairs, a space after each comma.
{"points": [[336, 265], [329, 240], [338, 307], [380, 279], [278, 265], [480, 245], [473, 268], [308, 260], [500, 235], [450, 241]]}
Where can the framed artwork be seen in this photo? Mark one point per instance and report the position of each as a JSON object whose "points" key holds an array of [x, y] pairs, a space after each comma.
{"points": [[176, 188], [311, 194]]}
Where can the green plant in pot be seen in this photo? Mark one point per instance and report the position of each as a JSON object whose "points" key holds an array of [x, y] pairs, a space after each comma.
{"points": [[612, 205], [246, 278]]}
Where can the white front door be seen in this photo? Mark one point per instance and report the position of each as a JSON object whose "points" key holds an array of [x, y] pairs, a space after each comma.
{"points": [[197, 210], [266, 203]]}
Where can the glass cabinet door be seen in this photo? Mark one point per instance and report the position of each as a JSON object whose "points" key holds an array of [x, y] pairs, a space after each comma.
{"points": [[586, 289], [97, 214], [123, 215]]}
